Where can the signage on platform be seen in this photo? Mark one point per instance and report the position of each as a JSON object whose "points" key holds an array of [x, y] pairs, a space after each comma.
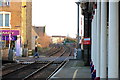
{"points": [[86, 41]]}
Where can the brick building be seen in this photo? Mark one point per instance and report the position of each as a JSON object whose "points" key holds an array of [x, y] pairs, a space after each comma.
{"points": [[15, 23]]}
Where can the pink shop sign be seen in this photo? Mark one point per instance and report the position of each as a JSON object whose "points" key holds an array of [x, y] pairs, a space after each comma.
{"points": [[8, 32]]}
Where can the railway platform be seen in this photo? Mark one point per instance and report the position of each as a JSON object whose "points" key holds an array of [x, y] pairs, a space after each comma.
{"points": [[73, 70]]}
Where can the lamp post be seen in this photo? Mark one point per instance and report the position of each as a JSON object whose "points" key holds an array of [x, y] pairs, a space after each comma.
{"points": [[78, 3], [78, 47]]}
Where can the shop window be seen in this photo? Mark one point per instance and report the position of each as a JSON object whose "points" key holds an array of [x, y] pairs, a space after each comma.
{"points": [[5, 19], [6, 42]]}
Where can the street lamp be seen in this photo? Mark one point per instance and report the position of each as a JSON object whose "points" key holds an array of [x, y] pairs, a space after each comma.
{"points": [[79, 55]]}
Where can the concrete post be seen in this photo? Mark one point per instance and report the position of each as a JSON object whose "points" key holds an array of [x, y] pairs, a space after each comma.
{"points": [[98, 37], [92, 38], [25, 52], [94, 41], [95, 47], [11, 55], [113, 40], [103, 49]]}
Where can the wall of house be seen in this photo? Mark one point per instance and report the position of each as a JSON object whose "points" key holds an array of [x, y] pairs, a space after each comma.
{"points": [[15, 9], [29, 24], [34, 34]]}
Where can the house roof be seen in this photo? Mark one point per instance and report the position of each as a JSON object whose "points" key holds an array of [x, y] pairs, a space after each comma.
{"points": [[40, 30], [59, 36]]}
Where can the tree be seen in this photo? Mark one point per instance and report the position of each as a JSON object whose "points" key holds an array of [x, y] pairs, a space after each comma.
{"points": [[70, 40], [44, 41]]}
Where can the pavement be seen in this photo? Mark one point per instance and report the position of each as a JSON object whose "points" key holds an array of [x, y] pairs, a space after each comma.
{"points": [[73, 70]]}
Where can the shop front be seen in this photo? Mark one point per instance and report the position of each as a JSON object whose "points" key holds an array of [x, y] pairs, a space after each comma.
{"points": [[11, 39]]}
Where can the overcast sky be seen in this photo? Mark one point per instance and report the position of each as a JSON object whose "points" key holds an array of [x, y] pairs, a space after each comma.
{"points": [[59, 16]]}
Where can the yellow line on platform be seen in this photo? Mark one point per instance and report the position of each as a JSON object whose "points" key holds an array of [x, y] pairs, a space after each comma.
{"points": [[75, 74]]}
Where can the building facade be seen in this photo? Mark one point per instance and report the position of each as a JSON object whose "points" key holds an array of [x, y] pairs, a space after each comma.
{"points": [[15, 24], [102, 26]]}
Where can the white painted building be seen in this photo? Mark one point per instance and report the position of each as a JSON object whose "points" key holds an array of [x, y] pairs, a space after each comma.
{"points": [[105, 39], [57, 39]]}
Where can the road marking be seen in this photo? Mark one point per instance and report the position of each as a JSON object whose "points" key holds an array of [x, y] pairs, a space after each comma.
{"points": [[74, 74]]}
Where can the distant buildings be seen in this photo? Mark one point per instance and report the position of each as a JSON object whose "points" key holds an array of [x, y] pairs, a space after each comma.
{"points": [[58, 39]]}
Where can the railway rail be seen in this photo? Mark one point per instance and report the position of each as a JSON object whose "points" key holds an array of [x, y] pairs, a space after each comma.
{"points": [[53, 49], [40, 69], [12, 68], [49, 70]]}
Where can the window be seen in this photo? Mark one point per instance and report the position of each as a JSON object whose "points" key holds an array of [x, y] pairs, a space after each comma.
{"points": [[1, 19], [0, 3], [4, 2], [5, 19]]}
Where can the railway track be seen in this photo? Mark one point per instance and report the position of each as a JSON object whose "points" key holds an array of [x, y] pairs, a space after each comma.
{"points": [[23, 72], [50, 69], [38, 69], [12, 68], [53, 49], [56, 51]]}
